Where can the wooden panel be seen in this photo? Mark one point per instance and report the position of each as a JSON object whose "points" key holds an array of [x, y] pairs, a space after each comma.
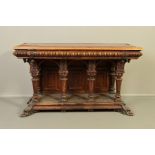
{"points": [[102, 82], [50, 80], [102, 77], [77, 78]]}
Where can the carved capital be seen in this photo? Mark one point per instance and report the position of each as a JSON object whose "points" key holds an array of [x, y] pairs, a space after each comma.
{"points": [[91, 72], [63, 71], [34, 68], [120, 68]]}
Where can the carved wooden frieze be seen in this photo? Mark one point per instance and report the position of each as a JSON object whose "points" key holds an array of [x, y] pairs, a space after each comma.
{"points": [[76, 50], [128, 54]]}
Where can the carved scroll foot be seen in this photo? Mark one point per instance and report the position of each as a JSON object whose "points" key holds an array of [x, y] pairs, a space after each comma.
{"points": [[29, 109], [34, 99], [27, 112], [126, 110], [29, 101]]}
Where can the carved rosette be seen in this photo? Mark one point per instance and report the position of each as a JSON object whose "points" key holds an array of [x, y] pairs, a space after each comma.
{"points": [[91, 72], [118, 77], [63, 73]]}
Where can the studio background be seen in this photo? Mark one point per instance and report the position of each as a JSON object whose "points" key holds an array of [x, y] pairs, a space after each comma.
{"points": [[138, 79]]}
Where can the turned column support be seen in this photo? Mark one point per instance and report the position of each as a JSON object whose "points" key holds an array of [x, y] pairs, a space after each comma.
{"points": [[63, 73], [112, 78], [119, 70], [91, 72], [35, 73]]}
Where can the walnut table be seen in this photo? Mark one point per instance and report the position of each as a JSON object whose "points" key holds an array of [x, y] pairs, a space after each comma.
{"points": [[76, 76]]}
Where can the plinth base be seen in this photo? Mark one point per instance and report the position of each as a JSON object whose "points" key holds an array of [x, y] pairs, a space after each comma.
{"points": [[76, 102]]}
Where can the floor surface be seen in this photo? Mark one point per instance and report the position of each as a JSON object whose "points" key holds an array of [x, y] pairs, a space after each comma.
{"points": [[143, 107]]}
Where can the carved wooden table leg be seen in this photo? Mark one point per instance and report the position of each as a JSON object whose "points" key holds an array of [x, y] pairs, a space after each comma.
{"points": [[112, 79], [118, 76], [35, 73], [63, 73], [91, 72]]}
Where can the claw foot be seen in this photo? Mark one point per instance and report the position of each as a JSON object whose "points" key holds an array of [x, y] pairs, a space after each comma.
{"points": [[126, 111], [27, 113]]}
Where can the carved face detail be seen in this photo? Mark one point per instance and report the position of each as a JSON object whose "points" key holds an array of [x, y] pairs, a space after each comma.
{"points": [[34, 68]]}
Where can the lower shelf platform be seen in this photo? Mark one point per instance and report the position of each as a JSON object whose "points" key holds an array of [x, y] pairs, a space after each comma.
{"points": [[85, 106], [76, 102]]}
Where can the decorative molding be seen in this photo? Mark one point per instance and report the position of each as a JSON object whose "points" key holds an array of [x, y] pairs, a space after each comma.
{"points": [[25, 53]]}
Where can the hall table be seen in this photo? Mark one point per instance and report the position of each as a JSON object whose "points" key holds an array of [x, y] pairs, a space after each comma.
{"points": [[76, 76]]}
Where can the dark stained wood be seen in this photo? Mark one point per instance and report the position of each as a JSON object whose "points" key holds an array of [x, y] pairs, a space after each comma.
{"points": [[76, 76], [112, 78], [91, 72], [119, 73], [63, 72]]}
